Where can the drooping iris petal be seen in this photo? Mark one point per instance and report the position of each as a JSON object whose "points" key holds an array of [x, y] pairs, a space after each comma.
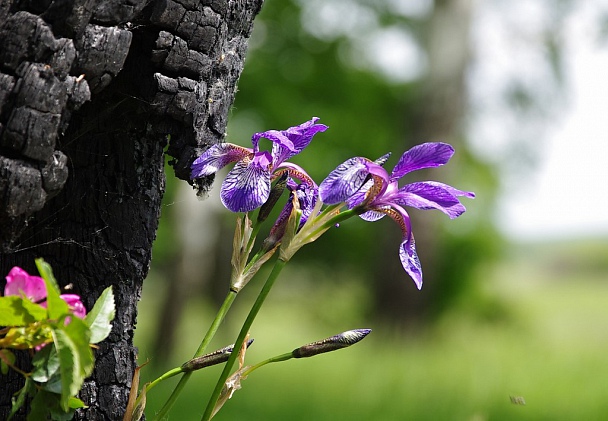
{"points": [[217, 157], [431, 195], [426, 155], [247, 185], [410, 261], [344, 181], [300, 136], [21, 283]]}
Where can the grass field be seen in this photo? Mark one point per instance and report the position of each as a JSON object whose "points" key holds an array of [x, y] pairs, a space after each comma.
{"points": [[547, 347]]}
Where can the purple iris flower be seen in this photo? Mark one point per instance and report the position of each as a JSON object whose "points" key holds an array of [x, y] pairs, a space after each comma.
{"points": [[363, 183], [305, 191], [247, 185]]}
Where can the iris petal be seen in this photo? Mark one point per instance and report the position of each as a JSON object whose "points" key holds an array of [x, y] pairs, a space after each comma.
{"points": [[216, 158], [431, 195], [410, 261], [344, 181], [246, 187], [426, 155], [300, 136]]}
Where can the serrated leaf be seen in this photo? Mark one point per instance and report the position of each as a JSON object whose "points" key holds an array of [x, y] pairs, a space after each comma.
{"points": [[69, 366], [55, 305], [101, 315], [80, 334], [18, 311]]}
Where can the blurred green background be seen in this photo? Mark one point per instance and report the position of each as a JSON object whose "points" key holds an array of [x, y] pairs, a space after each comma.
{"points": [[501, 320]]}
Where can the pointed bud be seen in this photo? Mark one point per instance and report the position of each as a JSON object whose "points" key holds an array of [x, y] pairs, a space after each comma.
{"points": [[382, 160], [339, 341], [207, 360], [275, 194]]}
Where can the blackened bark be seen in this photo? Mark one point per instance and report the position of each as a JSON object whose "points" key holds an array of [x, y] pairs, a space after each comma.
{"points": [[90, 95]]}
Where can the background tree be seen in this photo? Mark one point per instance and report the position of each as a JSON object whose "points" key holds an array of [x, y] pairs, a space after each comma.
{"points": [[91, 94]]}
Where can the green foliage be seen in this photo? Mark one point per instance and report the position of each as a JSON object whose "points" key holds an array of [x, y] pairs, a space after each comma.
{"points": [[18, 311], [99, 318], [64, 357]]}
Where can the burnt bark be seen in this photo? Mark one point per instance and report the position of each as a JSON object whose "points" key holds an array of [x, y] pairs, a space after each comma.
{"points": [[91, 95]]}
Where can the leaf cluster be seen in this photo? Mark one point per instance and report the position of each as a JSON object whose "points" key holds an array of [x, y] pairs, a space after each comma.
{"points": [[62, 341]]}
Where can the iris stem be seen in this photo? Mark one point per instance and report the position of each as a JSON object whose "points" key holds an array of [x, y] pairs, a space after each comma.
{"points": [[275, 359], [274, 274], [219, 317]]}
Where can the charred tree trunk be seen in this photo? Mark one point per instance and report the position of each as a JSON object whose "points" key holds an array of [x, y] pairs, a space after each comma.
{"points": [[91, 93], [437, 117]]}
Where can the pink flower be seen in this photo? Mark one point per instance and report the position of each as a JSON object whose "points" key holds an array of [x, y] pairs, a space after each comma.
{"points": [[20, 283]]}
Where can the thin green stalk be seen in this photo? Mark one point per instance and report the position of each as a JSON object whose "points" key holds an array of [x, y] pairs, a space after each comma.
{"points": [[219, 317], [276, 359], [274, 274]]}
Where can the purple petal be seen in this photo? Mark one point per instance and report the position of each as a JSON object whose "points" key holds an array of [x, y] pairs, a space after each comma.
{"points": [[427, 155], [432, 195], [247, 185], [275, 136], [344, 181], [216, 158], [300, 136], [410, 261], [20, 283]]}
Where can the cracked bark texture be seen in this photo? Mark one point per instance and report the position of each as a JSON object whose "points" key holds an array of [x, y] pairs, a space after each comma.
{"points": [[91, 94]]}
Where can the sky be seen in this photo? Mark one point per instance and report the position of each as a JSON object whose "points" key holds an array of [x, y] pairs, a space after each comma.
{"points": [[565, 194]]}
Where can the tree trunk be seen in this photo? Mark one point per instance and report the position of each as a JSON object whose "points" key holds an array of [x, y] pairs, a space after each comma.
{"points": [[91, 93]]}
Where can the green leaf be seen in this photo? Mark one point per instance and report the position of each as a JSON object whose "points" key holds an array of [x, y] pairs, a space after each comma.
{"points": [[18, 311], [45, 271], [47, 403], [101, 315], [76, 403], [28, 389], [69, 366], [6, 358], [80, 334], [46, 364], [55, 305]]}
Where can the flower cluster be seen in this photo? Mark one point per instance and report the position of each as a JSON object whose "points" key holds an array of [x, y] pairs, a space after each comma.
{"points": [[360, 184], [20, 283]]}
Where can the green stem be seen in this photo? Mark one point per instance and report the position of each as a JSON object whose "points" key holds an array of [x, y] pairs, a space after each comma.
{"points": [[219, 317], [276, 270], [276, 359]]}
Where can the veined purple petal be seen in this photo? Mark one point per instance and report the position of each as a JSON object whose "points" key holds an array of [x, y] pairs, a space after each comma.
{"points": [[373, 215], [275, 136], [216, 158], [300, 136], [452, 190], [246, 186], [344, 181], [297, 172], [427, 155], [431, 195], [410, 261]]}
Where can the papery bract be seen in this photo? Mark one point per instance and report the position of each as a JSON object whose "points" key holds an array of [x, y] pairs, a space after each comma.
{"points": [[363, 183]]}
